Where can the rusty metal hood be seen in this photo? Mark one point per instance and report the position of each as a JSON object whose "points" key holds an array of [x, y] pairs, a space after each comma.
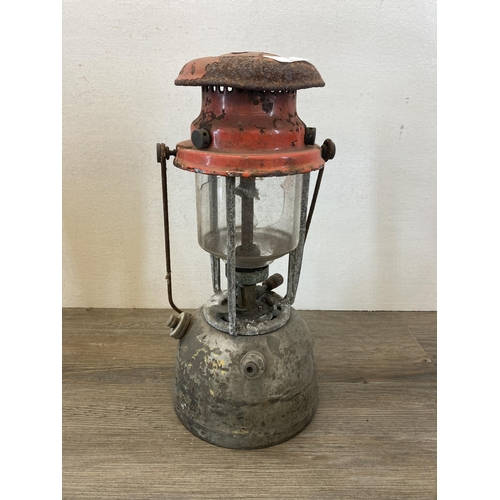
{"points": [[252, 71]]}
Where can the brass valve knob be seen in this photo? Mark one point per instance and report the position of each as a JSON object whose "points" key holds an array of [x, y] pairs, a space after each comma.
{"points": [[179, 324]]}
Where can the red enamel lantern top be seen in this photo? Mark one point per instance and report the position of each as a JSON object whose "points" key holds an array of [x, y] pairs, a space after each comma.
{"points": [[248, 125]]}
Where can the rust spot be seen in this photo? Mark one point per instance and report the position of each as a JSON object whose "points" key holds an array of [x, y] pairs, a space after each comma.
{"points": [[193, 68], [292, 119], [267, 105], [253, 71], [262, 98], [255, 97], [205, 119], [277, 122]]}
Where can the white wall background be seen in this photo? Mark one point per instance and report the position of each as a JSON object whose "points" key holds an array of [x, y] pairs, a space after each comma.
{"points": [[372, 244]]}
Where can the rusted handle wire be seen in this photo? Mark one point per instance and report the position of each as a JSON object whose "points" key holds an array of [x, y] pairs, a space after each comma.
{"points": [[314, 198], [328, 151], [167, 233]]}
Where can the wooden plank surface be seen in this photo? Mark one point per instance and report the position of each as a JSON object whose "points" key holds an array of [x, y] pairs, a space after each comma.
{"points": [[374, 435], [423, 326]]}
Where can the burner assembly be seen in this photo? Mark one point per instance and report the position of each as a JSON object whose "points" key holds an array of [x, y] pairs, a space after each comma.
{"points": [[245, 368]]}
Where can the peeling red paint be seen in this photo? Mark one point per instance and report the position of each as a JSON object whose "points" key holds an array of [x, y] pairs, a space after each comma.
{"points": [[253, 132]]}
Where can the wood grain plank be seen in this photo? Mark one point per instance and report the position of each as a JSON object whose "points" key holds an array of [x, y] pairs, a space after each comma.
{"points": [[365, 440], [113, 319], [354, 346], [426, 334], [422, 317], [365, 346], [374, 435]]}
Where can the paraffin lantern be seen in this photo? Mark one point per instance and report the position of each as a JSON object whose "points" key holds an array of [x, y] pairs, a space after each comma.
{"points": [[245, 368]]}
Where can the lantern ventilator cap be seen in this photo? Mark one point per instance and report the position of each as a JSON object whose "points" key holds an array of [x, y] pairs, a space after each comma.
{"points": [[251, 71]]}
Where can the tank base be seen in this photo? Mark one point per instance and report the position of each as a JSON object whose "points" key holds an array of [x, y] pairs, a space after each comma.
{"points": [[246, 392]]}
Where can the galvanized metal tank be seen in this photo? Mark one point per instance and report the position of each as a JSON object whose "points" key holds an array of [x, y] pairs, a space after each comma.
{"points": [[246, 391]]}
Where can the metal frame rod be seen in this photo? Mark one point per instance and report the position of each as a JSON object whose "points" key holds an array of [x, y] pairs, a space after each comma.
{"points": [[231, 253], [215, 266], [167, 234], [295, 257], [247, 187], [214, 222], [213, 201]]}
